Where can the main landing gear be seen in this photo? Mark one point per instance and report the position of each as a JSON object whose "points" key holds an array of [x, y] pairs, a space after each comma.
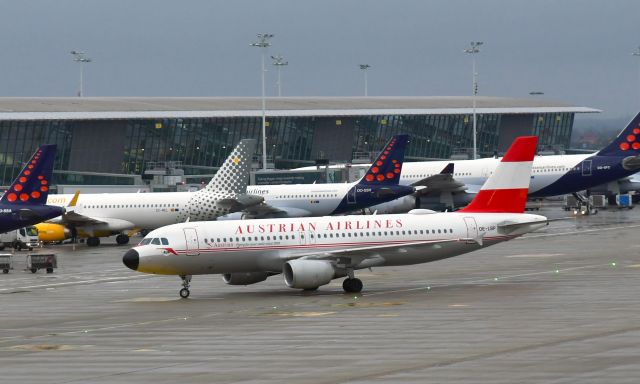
{"points": [[186, 280], [352, 284], [122, 239]]}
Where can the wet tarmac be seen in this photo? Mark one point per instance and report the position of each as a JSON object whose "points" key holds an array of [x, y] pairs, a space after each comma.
{"points": [[557, 306]]}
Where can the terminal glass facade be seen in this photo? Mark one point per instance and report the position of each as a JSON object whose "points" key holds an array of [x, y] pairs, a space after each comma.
{"points": [[199, 145]]}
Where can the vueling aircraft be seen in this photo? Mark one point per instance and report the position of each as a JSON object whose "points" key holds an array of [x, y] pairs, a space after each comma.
{"points": [[106, 214], [551, 175], [23, 204], [310, 252]]}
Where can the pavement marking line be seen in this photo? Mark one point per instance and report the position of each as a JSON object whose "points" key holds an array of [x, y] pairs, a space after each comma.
{"points": [[90, 330], [575, 232], [535, 255], [81, 282]]}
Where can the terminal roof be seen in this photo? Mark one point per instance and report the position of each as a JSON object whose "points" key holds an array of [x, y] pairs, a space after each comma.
{"points": [[88, 108]]}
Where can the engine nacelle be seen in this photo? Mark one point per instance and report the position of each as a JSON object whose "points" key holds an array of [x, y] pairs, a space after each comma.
{"points": [[308, 274], [401, 205], [245, 278]]}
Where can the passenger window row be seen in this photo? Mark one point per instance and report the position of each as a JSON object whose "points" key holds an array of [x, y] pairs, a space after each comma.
{"points": [[329, 235], [133, 206], [307, 196]]}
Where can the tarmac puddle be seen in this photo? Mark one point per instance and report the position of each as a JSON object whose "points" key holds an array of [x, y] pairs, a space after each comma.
{"points": [[147, 300]]}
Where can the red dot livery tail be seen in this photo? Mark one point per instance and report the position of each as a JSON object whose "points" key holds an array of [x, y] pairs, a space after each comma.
{"points": [[32, 184], [505, 191]]}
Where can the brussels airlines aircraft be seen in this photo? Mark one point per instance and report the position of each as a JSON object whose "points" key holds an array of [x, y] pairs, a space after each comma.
{"points": [[552, 175], [23, 204], [95, 215], [379, 185], [310, 252]]}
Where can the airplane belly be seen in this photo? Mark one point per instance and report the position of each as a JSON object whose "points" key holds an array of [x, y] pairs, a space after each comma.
{"points": [[208, 261], [426, 253]]}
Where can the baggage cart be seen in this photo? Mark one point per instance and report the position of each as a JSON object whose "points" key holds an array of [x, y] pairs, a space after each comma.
{"points": [[624, 200], [6, 262], [47, 262]]}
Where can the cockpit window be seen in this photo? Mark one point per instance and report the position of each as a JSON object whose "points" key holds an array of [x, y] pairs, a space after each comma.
{"points": [[155, 241], [145, 241], [164, 241]]}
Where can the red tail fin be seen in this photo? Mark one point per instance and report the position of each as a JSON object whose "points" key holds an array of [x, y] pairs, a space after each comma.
{"points": [[506, 189]]}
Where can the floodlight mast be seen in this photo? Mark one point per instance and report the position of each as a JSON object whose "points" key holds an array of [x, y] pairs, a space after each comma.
{"points": [[79, 58], [279, 62], [473, 50], [637, 54], [364, 68], [263, 42]]}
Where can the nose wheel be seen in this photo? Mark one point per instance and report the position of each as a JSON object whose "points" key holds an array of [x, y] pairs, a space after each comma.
{"points": [[186, 280], [352, 285]]}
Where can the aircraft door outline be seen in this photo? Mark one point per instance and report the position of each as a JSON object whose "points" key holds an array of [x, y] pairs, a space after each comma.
{"points": [[586, 168], [351, 196], [472, 227], [191, 241]]}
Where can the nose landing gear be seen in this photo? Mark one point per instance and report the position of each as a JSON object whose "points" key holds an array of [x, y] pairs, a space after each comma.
{"points": [[186, 280]]}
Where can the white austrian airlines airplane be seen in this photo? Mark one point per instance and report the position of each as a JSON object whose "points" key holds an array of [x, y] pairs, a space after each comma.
{"points": [[551, 175], [379, 185], [95, 215], [310, 252]]}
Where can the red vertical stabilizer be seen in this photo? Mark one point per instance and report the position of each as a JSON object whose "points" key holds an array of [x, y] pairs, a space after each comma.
{"points": [[506, 189]]}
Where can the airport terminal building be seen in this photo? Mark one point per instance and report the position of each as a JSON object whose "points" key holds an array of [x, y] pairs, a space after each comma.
{"points": [[105, 140]]}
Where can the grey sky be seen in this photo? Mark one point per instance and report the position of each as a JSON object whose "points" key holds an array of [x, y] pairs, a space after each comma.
{"points": [[573, 51]]}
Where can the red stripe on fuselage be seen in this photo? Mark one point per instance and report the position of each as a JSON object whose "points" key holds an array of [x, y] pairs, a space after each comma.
{"points": [[498, 201]]}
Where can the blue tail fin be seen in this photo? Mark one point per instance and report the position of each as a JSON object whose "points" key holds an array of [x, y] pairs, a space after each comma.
{"points": [[386, 169], [32, 184], [627, 143]]}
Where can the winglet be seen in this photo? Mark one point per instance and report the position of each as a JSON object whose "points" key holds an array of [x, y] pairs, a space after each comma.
{"points": [[448, 170], [32, 184], [73, 201], [233, 175], [506, 189], [387, 167]]}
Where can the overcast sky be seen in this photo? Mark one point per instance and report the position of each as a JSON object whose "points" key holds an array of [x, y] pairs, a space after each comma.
{"points": [[576, 51]]}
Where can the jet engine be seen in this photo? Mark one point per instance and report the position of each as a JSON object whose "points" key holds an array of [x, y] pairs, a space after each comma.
{"points": [[401, 205], [245, 278], [49, 232], [308, 274]]}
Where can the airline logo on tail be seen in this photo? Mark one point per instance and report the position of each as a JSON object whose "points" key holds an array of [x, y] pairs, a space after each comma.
{"points": [[233, 175], [32, 184], [506, 189], [627, 143], [387, 166]]}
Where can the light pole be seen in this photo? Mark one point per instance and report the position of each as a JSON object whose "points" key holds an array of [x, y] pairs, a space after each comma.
{"points": [[637, 52], [475, 48], [364, 68], [79, 58], [263, 42], [279, 62]]}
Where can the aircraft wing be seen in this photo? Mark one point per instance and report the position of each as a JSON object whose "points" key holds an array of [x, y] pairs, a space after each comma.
{"points": [[262, 211], [240, 202], [441, 182], [75, 219], [365, 257]]}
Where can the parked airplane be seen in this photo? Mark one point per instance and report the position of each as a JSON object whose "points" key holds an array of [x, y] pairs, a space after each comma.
{"points": [[99, 215], [311, 252], [378, 185], [552, 175], [23, 204]]}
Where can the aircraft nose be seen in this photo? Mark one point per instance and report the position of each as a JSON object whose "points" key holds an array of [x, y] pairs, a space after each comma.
{"points": [[131, 259]]}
